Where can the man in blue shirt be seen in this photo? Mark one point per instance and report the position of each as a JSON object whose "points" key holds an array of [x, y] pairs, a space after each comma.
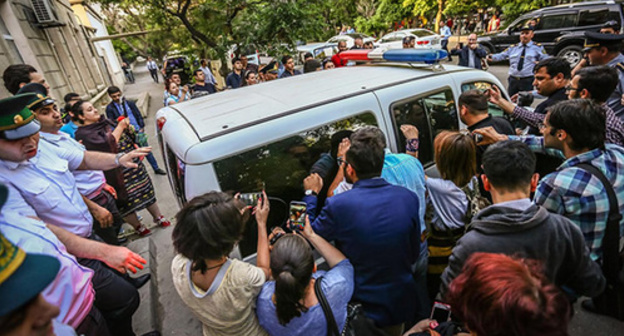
{"points": [[122, 107], [377, 226], [235, 79], [445, 31]]}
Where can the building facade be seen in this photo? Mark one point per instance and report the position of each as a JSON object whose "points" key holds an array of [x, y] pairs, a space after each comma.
{"points": [[48, 35]]}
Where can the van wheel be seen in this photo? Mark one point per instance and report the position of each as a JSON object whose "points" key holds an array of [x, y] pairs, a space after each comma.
{"points": [[573, 54]]}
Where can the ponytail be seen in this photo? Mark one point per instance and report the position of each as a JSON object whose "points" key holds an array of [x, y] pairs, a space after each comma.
{"points": [[292, 264]]}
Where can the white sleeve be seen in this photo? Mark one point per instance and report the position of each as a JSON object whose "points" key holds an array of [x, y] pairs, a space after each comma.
{"points": [[74, 157]]}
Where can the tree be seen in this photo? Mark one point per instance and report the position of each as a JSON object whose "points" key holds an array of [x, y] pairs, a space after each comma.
{"points": [[386, 13]]}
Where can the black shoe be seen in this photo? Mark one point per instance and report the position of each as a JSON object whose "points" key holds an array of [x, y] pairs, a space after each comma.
{"points": [[160, 171], [152, 333], [140, 281]]}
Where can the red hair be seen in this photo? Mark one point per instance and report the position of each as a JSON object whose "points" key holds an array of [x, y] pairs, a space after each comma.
{"points": [[498, 295]]}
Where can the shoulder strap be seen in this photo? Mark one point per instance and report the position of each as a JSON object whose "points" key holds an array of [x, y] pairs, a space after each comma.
{"points": [[611, 239], [620, 66], [332, 327]]}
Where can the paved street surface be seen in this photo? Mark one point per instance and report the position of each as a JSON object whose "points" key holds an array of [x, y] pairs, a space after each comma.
{"points": [[166, 312]]}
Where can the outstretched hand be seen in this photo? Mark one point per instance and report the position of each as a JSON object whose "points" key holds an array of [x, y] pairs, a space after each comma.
{"points": [[490, 136], [122, 259], [127, 160]]}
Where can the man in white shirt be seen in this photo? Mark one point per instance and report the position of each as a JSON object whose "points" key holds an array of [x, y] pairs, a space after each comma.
{"points": [[153, 68]]}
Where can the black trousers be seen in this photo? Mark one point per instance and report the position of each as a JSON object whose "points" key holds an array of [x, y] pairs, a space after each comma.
{"points": [[94, 324], [154, 74], [445, 47], [115, 297], [108, 234], [519, 84]]}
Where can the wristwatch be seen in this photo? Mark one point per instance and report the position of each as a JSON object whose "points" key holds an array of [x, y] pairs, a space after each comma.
{"points": [[310, 192], [117, 158]]}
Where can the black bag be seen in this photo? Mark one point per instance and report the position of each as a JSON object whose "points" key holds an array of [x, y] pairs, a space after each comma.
{"points": [[611, 301], [357, 323]]}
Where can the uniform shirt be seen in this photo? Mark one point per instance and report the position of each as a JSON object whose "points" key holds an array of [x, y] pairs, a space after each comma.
{"points": [[45, 187], [71, 290], [578, 195], [87, 181], [614, 100], [534, 53]]}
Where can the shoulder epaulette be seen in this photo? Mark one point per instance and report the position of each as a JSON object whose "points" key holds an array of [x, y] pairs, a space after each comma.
{"points": [[620, 66], [538, 44], [511, 46]]}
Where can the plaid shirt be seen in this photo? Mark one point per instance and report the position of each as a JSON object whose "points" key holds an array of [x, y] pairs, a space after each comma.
{"points": [[577, 194], [615, 127]]}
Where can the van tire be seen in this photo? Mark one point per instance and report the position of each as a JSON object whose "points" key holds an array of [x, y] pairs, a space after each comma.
{"points": [[573, 54]]}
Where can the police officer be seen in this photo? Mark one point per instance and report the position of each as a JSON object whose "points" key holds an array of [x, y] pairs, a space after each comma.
{"points": [[522, 59], [604, 49]]}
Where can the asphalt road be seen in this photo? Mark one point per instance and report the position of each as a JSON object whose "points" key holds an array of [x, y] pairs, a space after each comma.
{"points": [[171, 315]]}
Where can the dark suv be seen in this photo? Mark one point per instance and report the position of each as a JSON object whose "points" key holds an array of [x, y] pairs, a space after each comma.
{"points": [[559, 28]]}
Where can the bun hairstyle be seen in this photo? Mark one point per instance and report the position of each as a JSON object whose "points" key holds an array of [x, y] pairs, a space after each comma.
{"points": [[292, 264], [208, 227], [76, 109]]}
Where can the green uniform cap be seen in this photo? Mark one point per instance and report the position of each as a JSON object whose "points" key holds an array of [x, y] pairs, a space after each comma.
{"points": [[16, 119]]}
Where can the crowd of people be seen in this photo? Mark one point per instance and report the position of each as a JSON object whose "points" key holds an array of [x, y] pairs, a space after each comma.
{"points": [[504, 239]]}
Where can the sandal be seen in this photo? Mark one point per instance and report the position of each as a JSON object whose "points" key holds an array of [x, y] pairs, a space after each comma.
{"points": [[162, 221]]}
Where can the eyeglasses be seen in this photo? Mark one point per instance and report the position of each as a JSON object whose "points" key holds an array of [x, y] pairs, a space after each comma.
{"points": [[541, 126], [571, 88]]}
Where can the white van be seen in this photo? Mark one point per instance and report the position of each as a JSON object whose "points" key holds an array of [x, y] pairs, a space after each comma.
{"points": [[272, 133]]}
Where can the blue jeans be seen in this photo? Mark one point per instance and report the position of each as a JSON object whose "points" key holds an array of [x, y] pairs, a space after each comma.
{"points": [[419, 273]]}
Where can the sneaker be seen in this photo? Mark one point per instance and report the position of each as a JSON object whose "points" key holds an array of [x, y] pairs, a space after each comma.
{"points": [[143, 231], [160, 171], [162, 221]]}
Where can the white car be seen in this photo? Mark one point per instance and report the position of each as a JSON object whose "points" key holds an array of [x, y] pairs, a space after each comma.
{"points": [[327, 49], [425, 39]]}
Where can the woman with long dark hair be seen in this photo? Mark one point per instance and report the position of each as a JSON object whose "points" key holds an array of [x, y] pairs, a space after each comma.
{"points": [[219, 290], [288, 305], [134, 186], [451, 197]]}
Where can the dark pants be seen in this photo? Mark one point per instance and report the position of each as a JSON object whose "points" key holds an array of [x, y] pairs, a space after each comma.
{"points": [[129, 76], [109, 234], [142, 142], [445, 47], [154, 74], [519, 84], [93, 324], [115, 297]]}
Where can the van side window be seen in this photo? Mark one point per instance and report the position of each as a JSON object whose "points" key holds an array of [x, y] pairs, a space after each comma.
{"points": [[281, 166], [431, 114], [493, 109], [594, 17]]}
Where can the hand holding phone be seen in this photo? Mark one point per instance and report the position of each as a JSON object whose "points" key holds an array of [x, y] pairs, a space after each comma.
{"points": [[297, 215], [441, 312], [250, 199]]}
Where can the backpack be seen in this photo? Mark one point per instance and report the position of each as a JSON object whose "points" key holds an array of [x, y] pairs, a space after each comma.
{"points": [[476, 202]]}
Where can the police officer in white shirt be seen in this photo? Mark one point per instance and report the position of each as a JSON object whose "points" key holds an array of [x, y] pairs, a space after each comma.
{"points": [[97, 195]]}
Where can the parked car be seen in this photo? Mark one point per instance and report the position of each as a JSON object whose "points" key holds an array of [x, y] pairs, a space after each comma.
{"points": [[177, 64], [327, 49], [425, 39], [554, 24], [270, 135]]}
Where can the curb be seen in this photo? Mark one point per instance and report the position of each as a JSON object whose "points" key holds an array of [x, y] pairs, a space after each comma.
{"points": [[143, 103], [145, 319]]}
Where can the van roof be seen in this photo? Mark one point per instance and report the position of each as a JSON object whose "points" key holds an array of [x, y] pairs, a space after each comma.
{"points": [[575, 5], [219, 114]]}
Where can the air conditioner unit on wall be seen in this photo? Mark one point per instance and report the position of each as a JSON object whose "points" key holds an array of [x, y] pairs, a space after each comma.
{"points": [[45, 12]]}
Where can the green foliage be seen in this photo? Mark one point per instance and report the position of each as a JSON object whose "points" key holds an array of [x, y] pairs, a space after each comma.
{"points": [[387, 12], [515, 8]]}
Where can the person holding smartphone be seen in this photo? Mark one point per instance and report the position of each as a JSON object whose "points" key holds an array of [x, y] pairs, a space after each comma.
{"points": [[288, 305], [219, 290]]}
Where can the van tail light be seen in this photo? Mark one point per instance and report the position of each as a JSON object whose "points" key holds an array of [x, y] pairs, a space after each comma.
{"points": [[160, 122], [425, 42]]}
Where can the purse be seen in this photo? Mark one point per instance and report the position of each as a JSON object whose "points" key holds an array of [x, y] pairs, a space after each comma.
{"points": [[357, 323]]}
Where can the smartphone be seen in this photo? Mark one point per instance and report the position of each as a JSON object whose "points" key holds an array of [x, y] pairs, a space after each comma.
{"points": [[250, 199], [441, 312], [297, 214], [477, 137]]}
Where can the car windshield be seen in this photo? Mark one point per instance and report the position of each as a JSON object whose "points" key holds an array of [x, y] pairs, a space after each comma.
{"points": [[421, 32], [354, 36]]}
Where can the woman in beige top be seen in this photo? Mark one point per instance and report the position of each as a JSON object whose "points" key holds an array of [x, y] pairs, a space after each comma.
{"points": [[220, 291]]}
